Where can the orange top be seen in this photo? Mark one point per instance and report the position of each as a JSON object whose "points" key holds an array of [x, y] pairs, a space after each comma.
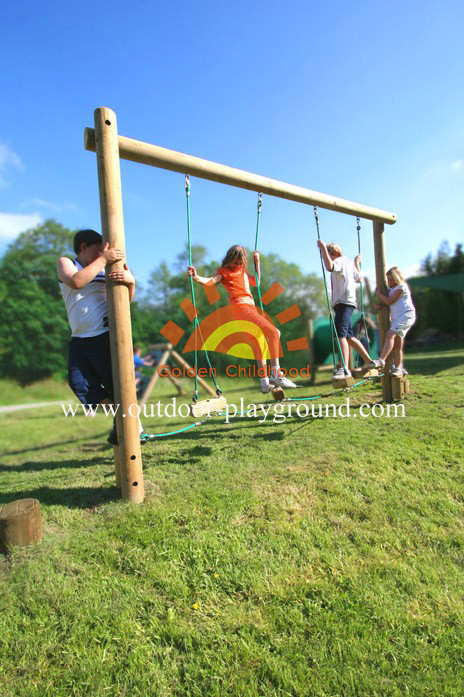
{"points": [[237, 284]]}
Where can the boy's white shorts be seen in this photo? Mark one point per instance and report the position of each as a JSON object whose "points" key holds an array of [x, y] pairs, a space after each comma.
{"points": [[402, 325]]}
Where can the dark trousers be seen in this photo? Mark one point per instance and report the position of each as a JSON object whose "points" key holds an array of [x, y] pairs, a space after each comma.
{"points": [[89, 369]]}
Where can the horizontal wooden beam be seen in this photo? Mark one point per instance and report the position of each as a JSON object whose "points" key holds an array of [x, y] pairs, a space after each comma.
{"points": [[144, 153]]}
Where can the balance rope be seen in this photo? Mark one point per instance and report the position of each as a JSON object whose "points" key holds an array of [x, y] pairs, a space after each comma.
{"points": [[362, 319], [196, 323], [333, 332], [258, 216]]}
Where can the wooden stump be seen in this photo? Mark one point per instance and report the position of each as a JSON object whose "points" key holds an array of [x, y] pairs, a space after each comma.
{"points": [[206, 407], [20, 523], [342, 383], [362, 373], [278, 393], [400, 388]]}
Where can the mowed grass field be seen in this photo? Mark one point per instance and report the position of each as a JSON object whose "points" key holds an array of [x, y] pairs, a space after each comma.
{"points": [[319, 556]]}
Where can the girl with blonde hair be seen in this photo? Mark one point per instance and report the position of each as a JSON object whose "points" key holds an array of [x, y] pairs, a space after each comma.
{"points": [[403, 316]]}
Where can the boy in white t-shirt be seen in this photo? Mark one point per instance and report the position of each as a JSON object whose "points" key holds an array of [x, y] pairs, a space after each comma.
{"points": [[83, 287], [344, 276], [403, 316]]}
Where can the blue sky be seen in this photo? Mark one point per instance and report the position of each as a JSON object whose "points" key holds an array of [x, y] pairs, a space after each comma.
{"points": [[361, 100]]}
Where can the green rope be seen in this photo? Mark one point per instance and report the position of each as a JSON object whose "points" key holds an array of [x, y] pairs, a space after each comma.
{"points": [[196, 323], [152, 436], [258, 216], [329, 306], [361, 295]]}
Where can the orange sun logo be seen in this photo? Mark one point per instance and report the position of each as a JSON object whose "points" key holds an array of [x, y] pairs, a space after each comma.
{"points": [[224, 332]]}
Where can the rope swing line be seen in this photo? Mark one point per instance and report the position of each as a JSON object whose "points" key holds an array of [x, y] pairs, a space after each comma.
{"points": [[196, 323], [333, 331], [153, 436], [258, 216], [361, 296]]}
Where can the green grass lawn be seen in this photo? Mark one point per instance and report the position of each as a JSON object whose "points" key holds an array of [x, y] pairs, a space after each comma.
{"points": [[318, 557]]}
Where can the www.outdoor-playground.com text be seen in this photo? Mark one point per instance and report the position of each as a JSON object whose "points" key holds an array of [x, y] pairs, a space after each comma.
{"points": [[275, 411]]}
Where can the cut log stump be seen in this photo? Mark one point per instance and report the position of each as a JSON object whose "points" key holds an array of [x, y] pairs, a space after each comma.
{"points": [[278, 393], [363, 373], [205, 407], [400, 388], [342, 383], [20, 523]]}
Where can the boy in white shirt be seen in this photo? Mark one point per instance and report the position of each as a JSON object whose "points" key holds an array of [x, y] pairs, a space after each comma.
{"points": [[344, 276], [83, 287]]}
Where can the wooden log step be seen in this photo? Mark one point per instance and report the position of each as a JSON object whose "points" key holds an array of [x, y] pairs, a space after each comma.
{"points": [[342, 383], [205, 407], [278, 393], [362, 373], [397, 388], [20, 523]]}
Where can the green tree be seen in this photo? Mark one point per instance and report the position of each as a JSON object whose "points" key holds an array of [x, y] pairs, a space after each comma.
{"points": [[33, 329], [439, 309]]}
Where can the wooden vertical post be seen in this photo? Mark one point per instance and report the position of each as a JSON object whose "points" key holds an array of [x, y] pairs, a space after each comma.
{"points": [[117, 467], [383, 316], [109, 180]]}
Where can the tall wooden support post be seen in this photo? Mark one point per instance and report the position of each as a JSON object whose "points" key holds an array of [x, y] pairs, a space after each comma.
{"points": [[383, 316], [109, 180]]}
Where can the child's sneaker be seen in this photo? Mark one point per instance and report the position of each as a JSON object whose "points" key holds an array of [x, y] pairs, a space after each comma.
{"points": [[266, 388], [113, 437], [342, 373], [396, 373], [281, 381], [377, 363]]}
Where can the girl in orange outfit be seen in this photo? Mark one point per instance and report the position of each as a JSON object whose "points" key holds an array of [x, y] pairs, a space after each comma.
{"points": [[236, 280]]}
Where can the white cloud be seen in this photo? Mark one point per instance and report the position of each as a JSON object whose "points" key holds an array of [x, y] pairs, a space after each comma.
{"points": [[457, 165], [411, 270], [8, 159], [56, 207], [408, 272], [11, 224]]}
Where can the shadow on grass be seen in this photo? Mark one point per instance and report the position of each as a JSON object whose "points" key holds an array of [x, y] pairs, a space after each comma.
{"points": [[65, 464], [79, 497], [425, 365], [88, 444]]}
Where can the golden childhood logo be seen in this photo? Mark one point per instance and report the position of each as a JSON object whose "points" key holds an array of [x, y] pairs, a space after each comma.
{"points": [[236, 332]]}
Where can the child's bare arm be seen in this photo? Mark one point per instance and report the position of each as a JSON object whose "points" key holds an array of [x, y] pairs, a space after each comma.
{"points": [[257, 265], [328, 263], [357, 266], [71, 277], [125, 277], [389, 300], [202, 280]]}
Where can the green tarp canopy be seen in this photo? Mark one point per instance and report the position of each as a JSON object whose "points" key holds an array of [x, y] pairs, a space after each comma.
{"points": [[453, 282]]}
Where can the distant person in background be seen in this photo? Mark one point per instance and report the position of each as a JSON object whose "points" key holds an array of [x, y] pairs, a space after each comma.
{"points": [[140, 362], [403, 316], [83, 287]]}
